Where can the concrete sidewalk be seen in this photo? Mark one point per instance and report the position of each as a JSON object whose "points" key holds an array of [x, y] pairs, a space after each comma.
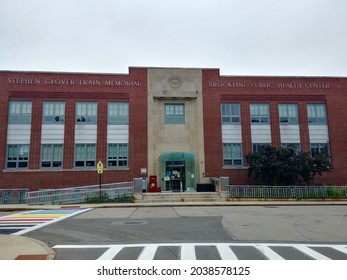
{"points": [[236, 202], [24, 248], [14, 247]]}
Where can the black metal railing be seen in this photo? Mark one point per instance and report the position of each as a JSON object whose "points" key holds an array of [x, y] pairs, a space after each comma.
{"points": [[287, 192]]}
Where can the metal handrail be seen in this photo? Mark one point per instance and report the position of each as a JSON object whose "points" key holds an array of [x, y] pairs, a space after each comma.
{"points": [[77, 194]]}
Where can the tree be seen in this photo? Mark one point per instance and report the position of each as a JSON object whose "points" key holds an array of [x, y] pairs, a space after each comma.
{"points": [[288, 165], [264, 164], [285, 165], [310, 166]]}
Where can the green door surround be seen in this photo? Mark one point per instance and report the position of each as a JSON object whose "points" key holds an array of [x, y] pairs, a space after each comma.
{"points": [[176, 168]]}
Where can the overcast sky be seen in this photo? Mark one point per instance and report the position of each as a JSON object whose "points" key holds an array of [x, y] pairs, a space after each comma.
{"points": [[241, 37]]}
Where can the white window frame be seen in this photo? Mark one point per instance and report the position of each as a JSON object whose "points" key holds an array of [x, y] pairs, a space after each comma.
{"points": [[174, 113], [232, 154], [116, 156], [288, 114], [86, 112], [55, 157], [317, 114], [260, 113], [20, 112], [118, 113], [231, 113], [20, 158], [85, 158], [53, 112]]}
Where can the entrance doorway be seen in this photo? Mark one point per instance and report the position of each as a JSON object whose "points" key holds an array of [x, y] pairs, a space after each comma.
{"points": [[176, 170]]}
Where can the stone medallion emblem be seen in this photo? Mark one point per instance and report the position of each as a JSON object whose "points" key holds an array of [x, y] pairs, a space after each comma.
{"points": [[175, 81]]}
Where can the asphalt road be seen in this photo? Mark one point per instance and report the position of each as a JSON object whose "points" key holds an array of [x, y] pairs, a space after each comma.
{"points": [[128, 233]]}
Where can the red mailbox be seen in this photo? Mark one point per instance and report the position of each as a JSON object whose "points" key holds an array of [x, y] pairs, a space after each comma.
{"points": [[153, 184]]}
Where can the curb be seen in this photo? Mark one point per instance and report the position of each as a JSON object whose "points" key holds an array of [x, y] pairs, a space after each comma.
{"points": [[24, 248], [231, 203]]}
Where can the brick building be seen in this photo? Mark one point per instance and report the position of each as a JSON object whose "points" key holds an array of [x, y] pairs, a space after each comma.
{"points": [[182, 125]]}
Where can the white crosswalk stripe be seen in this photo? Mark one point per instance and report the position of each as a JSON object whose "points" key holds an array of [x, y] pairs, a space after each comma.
{"points": [[226, 251], [310, 252], [111, 252], [268, 253], [341, 248], [148, 252], [188, 252]]}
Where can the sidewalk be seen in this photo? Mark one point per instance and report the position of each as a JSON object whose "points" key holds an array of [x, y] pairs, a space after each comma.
{"points": [[24, 248], [14, 247], [236, 202]]}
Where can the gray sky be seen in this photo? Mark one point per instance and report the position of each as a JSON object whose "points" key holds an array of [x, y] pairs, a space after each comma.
{"points": [[241, 37]]}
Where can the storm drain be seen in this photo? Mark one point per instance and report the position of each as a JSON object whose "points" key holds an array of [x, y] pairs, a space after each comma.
{"points": [[128, 223]]}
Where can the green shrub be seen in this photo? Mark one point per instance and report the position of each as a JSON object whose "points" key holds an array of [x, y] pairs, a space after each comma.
{"points": [[105, 198], [96, 198], [333, 193], [124, 198]]}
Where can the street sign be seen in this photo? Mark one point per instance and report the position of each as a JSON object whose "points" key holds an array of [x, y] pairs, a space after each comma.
{"points": [[100, 167]]}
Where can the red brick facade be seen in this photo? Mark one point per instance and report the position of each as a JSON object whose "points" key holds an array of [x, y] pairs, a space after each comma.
{"points": [[132, 88], [38, 87], [273, 91]]}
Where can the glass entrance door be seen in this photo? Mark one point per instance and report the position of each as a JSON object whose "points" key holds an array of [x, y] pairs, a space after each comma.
{"points": [[176, 172], [176, 169]]}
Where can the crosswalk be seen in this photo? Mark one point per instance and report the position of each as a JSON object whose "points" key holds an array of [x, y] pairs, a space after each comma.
{"points": [[20, 223], [208, 251]]}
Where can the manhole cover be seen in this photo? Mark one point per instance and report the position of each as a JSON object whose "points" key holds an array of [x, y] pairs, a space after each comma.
{"points": [[133, 223], [128, 223]]}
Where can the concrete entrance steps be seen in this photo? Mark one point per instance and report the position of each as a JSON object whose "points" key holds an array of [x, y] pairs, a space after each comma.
{"points": [[180, 197]]}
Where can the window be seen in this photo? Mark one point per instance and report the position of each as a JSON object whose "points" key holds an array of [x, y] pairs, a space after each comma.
{"points": [[316, 113], [118, 113], [174, 114], [260, 114], [86, 112], [20, 112], [17, 156], [52, 156], [318, 148], [258, 146], [53, 112], [85, 155], [117, 155], [288, 113], [232, 154], [230, 113]]}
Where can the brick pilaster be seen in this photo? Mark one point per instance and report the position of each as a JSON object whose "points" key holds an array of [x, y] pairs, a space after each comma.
{"points": [[69, 134], [275, 126], [303, 123], [35, 137], [102, 132]]}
